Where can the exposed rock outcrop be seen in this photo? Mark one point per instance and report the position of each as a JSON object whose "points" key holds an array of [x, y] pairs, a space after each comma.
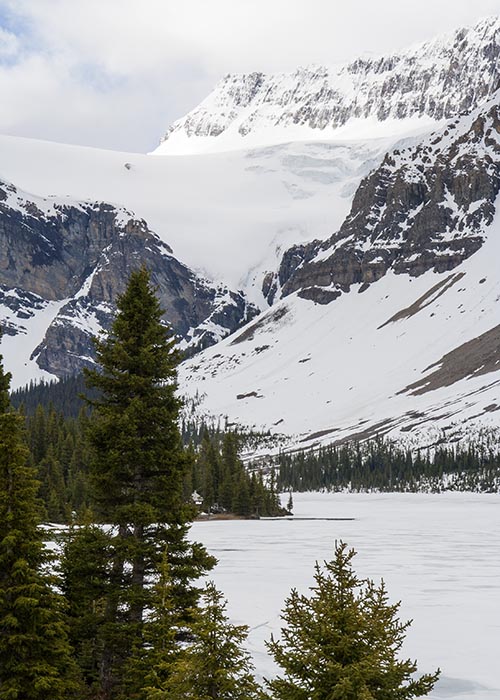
{"points": [[425, 207], [82, 254]]}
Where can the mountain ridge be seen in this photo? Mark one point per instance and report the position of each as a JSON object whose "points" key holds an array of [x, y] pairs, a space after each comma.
{"points": [[425, 84], [425, 207]]}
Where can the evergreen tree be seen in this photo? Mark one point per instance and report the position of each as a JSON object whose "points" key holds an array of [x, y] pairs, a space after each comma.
{"points": [[230, 470], [343, 641], [52, 486], [214, 665], [35, 656], [85, 567], [242, 504], [152, 664], [208, 468], [137, 470]]}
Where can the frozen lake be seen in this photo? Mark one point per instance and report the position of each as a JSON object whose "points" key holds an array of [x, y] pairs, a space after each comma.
{"points": [[438, 554]]}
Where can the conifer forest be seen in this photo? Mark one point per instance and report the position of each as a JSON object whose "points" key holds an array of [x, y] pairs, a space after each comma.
{"points": [[116, 610]]}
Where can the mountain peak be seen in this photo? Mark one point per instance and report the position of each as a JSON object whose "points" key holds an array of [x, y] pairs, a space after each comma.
{"points": [[416, 88]]}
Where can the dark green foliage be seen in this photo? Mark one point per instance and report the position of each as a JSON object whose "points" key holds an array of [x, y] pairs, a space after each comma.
{"points": [[188, 562], [53, 487], [151, 665], [60, 453], [85, 585], [381, 465], [342, 642], [137, 471], [35, 656], [63, 395], [213, 664], [220, 477]]}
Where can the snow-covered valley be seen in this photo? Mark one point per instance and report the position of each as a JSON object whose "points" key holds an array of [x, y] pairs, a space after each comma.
{"points": [[438, 554]]}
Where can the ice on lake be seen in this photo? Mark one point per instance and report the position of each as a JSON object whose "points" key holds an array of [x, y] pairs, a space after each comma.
{"points": [[438, 553]]}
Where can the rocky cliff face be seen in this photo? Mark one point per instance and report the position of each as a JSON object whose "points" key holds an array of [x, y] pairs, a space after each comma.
{"points": [[425, 207], [437, 80], [78, 257]]}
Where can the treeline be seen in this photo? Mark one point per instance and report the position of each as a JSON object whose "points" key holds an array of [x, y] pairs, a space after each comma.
{"points": [[224, 484], [383, 466], [57, 420], [64, 396], [59, 451]]}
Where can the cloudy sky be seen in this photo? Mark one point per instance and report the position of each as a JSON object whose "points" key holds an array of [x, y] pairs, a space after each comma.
{"points": [[115, 73]]}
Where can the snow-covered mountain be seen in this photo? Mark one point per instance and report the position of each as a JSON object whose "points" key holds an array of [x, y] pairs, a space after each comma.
{"points": [[413, 89], [372, 259], [392, 325]]}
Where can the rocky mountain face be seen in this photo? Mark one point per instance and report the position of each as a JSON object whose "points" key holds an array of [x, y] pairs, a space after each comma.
{"points": [[425, 208], [437, 80], [402, 238], [389, 324], [389, 327], [76, 258]]}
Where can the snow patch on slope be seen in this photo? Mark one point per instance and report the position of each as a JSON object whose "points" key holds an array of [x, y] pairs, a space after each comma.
{"points": [[17, 350], [324, 373], [223, 214]]}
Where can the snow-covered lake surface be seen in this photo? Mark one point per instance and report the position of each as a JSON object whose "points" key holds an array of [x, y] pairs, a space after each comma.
{"points": [[438, 554]]}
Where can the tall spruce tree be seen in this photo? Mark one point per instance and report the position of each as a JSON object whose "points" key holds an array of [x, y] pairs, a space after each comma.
{"points": [[35, 656], [137, 472], [343, 641]]}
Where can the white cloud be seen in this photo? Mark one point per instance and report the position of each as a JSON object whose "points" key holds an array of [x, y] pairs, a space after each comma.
{"points": [[115, 73], [9, 44]]}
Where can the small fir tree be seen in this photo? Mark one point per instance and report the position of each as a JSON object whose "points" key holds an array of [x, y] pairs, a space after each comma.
{"points": [[52, 489], [214, 664], [343, 641], [35, 656], [152, 664]]}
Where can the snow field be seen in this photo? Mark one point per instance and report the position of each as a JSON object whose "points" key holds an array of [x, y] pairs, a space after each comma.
{"points": [[226, 215], [340, 367], [438, 554]]}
